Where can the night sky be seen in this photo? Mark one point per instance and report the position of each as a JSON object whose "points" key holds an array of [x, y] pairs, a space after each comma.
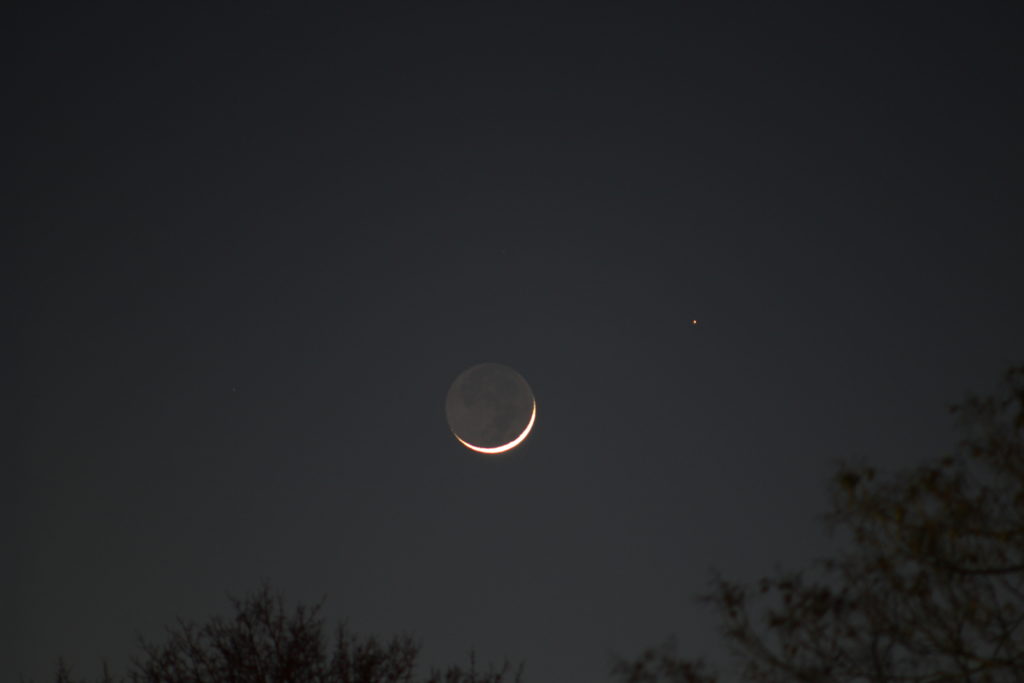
{"points": [[252, 248]]}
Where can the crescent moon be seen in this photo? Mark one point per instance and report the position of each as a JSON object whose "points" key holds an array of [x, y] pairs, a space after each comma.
{"points": [[505, 447]]}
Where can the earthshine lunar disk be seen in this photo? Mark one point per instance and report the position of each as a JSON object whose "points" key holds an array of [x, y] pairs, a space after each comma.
{"points": [[490, 408]]}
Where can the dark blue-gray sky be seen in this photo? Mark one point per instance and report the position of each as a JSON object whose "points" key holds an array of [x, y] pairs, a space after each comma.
{"points": [[253, 247]]}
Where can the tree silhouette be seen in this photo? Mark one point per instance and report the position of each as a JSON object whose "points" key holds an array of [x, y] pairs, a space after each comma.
{"points": [[930, 589], [264, 643]]}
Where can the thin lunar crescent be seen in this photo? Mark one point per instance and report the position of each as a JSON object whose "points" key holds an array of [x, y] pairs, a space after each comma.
{"points": [[511, 444], [490, 408]]}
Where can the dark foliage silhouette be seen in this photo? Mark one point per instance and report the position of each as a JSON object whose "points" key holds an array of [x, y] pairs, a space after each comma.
{"points": [[264, 643], [929, 589]]}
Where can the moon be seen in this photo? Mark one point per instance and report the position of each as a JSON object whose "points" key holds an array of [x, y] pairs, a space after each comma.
{"points": [[490, 408]]}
